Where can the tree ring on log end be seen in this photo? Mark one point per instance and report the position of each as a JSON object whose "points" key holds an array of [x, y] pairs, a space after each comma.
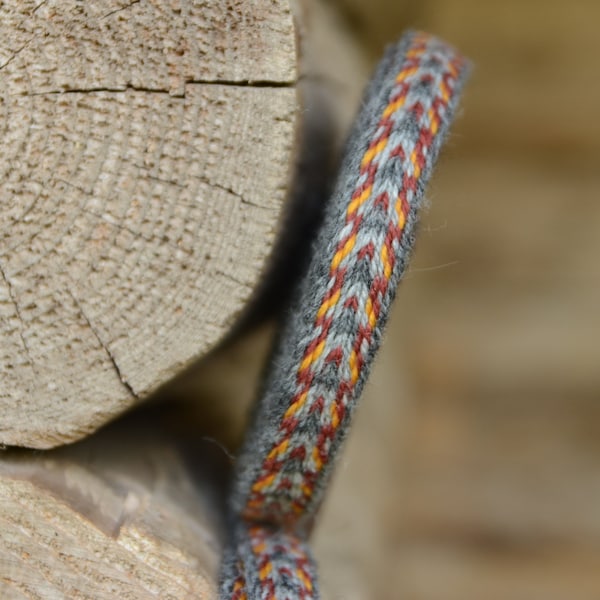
{"points": [[145, 156]]}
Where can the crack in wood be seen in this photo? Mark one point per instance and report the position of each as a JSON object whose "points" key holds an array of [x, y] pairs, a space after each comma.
{"points": [[227, 189], [40, 6], [117, 10], [103, 345], [232, 278], [148, 175], [128, 87], [13, 299], [254, 83], [15, 54]]}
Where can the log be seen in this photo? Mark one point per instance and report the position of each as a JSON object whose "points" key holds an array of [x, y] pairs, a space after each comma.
{"points": [[146, 152], [132, 512]]}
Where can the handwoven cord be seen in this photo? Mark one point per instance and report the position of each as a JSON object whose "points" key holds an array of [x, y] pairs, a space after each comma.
{"points": [[330, 336]]}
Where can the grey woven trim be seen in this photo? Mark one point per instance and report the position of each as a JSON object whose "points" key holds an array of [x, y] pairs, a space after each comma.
{"points": [[278, 481]]}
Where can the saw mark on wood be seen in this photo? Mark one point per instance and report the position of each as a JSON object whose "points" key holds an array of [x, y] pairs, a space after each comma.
{"points": [[104, 346]]}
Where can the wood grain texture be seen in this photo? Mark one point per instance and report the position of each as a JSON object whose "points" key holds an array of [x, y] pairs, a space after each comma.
{"points": [[130, 513], [146, 150]]}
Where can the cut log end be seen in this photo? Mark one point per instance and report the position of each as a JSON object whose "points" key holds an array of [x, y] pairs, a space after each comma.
{"points": [[142, 177]]}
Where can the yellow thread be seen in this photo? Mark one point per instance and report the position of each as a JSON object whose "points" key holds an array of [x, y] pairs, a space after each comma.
{"points": [[445, 91], [353, 366], [329, 303], [317, 458], [279, 449], [353, 206], [305, 580], [306, 362], [434, 121], [263, 483], [406, 73], [387, 267], [394, 106], [297, 405], [343, 252], [413, 160], [400, 213], [416, 51], [318, 350], [374, 151], [265, 571], [335, 419], [312, 357], [370, 313]]}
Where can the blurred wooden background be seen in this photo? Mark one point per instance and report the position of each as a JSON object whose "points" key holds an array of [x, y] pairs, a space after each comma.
{"points": [[474, 467]]}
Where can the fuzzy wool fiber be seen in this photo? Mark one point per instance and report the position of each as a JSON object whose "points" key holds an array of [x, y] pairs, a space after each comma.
{"points": [[333, 329]]}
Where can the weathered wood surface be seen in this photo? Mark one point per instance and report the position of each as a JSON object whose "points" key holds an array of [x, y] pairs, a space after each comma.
{"points": [[146, 151], [132, 512]]}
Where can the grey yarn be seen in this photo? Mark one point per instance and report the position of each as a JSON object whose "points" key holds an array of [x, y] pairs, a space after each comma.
{"points": [[285, 464]]}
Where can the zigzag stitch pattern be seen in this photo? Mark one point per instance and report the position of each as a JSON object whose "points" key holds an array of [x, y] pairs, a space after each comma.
{"points": [[329, 343]]}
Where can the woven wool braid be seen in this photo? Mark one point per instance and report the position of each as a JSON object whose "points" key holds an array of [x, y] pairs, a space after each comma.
{"points": [[334, 328]]}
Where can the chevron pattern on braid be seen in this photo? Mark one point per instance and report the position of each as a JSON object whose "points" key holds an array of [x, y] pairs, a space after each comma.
{"points": [[279, 564], [330, 337], [358, 286]]}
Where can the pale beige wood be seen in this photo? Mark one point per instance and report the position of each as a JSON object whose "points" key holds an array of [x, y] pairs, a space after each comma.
{"points": [[129, 513], [146, 151]]}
